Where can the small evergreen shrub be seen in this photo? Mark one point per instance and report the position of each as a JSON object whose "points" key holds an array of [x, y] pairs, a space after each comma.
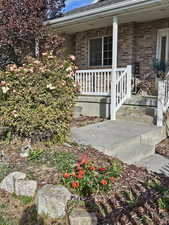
{"points": [[37, 99]]}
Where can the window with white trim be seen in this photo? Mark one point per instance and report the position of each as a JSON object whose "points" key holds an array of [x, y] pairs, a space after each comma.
{"points": [[163, 45], [100, 51]]}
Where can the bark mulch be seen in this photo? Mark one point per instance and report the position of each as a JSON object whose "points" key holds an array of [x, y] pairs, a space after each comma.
{"points": [[163, 148], [85, 120], [131, 201], [134, 200]]}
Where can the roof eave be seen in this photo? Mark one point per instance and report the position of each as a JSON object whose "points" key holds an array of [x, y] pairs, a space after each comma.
{"points": [[115, 9]]}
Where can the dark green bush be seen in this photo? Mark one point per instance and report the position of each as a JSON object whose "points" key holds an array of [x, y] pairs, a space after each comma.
{"points": [[36, 100]]}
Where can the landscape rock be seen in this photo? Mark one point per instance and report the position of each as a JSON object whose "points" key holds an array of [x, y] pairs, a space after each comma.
{"points": [[51, 200], [25, 187], [82, 217], [67, 145], [8, 183], [25, 150], [3, 157]]}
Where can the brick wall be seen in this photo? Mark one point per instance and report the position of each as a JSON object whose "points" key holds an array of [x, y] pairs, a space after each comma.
{"points": [[136, 43]]}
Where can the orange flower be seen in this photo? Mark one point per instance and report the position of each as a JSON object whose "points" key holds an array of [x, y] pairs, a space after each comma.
{"points": [[73, 174], [66, 175], [91, 168], [112, 179], [104, 182], [75, 184], [81, 172], [83, 160], [102, 169], [79, 176]]}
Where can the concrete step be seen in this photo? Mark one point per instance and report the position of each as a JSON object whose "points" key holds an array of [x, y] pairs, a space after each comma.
{"points": [[156, 163], [138, 100], [129, 141], [154, 136], [134, 153], [143, 114]]}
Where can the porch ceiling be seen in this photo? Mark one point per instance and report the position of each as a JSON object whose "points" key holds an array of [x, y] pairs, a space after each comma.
{"points": [[143, 14]]}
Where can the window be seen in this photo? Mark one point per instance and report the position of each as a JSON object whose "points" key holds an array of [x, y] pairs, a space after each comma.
{"points": [[163, 45], [100, 51]]}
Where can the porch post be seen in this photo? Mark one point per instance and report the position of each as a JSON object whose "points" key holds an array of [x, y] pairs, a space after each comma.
{"points": [[114, 67]]}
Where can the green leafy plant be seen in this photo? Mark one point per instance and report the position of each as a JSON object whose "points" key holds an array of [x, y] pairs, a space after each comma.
{"points": [[85, 177], [63, 160], [25, 200], [132, 199], [5, 220], [37, 99], [146, 220], [4, 171], [163, 201], [156, 184], [35, 155]]}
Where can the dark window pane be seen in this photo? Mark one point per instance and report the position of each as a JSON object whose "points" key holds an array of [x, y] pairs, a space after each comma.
{"points": [[163, 48], [96, 52], [107, 56]]}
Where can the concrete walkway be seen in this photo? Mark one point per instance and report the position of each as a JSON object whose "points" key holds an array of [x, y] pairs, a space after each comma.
{"points": [[126, 140], [156, 163]]}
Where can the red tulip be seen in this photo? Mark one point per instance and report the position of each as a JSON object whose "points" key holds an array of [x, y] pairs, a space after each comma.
{"points": [[91, 168], [104, 182], [66, 175], [75, 184], [102, 169], [112, 179]]}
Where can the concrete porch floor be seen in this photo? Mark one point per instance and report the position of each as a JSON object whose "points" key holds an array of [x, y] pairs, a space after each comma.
{"points": [[126, 140]]}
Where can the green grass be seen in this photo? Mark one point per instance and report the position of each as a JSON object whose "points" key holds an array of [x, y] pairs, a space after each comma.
{"points": [[25, 200], [4, 171], [35, 155], [6, 220], [64, 160], [57, 159]]}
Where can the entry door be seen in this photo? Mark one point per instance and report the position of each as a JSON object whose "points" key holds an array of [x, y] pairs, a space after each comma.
{"points": [[163, 45]]}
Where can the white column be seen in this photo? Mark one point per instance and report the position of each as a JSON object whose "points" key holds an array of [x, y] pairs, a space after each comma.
{"points": [[129, 74], [114, 67], [160, 103]]}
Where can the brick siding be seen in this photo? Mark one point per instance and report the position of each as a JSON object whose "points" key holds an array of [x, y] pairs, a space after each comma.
{"points": [[136, 43]]}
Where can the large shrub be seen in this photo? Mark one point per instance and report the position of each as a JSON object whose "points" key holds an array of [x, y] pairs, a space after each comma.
{"points": [[36, 100]]}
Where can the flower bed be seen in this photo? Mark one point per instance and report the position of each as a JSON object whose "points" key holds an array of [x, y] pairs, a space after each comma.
{"points": [[85, 177]]}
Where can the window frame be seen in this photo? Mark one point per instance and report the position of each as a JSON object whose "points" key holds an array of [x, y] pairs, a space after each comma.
{"points": [[102, 59], [162, 33]]}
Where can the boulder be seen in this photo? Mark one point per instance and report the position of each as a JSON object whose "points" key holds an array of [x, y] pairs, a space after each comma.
{"points": [[25, 150], [51, 200], [25, 187], [8, 183], [82, 217]]}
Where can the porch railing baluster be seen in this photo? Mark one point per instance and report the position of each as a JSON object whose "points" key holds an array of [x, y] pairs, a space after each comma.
{"points": [[98, 82]]}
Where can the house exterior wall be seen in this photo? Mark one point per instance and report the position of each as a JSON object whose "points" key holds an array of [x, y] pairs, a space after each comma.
{"points": [[69, 44], [136, 43]]}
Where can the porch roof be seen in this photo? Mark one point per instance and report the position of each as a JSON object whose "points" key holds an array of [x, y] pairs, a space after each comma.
{"points": [[100, 14]]}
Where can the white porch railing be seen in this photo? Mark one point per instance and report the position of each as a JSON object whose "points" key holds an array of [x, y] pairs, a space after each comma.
{"points": [[104, 82], [122, 85], [94, 82], [163, 100]]}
